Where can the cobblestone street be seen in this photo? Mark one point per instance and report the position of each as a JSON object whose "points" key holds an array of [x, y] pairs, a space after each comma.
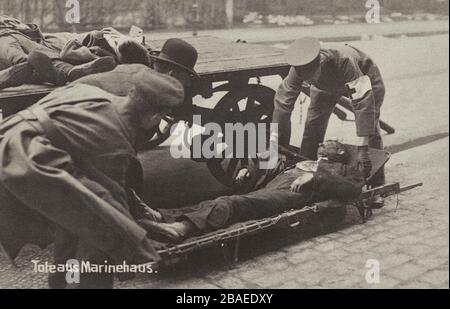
{"points": [[409, 241], [409, 237]]}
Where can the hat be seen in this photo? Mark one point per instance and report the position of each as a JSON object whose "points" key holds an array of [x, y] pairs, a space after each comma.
{"points": [[161, 90], [303, 51], [179, 53]]}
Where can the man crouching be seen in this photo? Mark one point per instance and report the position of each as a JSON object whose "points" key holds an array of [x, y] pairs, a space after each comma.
{"points": [[63, 166]]}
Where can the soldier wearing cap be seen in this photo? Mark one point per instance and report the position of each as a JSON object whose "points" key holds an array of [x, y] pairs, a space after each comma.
{"points": [[63, 167], [332, 73]]}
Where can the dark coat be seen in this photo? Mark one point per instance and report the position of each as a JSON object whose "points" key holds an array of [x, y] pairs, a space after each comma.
{"points": [[78, 186]]}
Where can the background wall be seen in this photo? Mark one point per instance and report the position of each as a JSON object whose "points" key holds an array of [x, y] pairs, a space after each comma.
{"points": [[167, 14]]}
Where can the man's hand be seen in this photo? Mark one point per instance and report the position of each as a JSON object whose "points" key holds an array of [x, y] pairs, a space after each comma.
{"points": [[301, 181], [364, 163], [242, 176]]}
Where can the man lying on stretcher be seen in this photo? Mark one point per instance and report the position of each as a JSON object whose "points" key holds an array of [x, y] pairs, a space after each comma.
{"points": [[289, 185]]}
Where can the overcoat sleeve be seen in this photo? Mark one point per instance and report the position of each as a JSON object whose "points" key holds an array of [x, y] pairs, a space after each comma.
{"points": [[359, 91]]}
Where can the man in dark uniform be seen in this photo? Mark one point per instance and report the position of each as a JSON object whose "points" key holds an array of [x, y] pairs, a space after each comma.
{"points": [[332, 73], [63, 168]]}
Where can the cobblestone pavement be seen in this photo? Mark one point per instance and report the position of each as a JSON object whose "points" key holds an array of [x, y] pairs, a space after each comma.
{"points": [[409, 241]]}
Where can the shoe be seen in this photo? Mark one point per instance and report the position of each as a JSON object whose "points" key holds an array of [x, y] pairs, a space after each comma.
{"points": [[377, 202], [16, 75], [100, 65], [43, 65], [160, 231], [57, 281]]}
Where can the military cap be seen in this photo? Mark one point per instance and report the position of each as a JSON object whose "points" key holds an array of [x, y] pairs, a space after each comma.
{"points": [[303, 51], [156, 88]]}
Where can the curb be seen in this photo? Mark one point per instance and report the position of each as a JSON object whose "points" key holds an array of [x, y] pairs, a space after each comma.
{"points": [[417, 142]]}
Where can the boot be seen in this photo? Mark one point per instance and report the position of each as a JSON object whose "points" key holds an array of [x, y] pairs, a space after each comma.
{"points": [[43, 65], [16, 75], [59, 72], [100, 65]]}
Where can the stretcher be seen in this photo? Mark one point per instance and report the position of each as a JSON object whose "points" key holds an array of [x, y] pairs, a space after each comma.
{"points": [[228, 240]]}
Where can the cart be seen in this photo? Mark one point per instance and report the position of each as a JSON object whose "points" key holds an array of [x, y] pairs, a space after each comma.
{"points": [[235, 68]]}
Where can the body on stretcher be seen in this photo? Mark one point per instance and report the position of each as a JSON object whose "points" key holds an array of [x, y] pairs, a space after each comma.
{"points": [[293, 219]]}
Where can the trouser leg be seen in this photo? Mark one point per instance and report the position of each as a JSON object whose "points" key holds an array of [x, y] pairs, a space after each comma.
{"points": [[378, 179], [65, 248], [29, 45], [319, 112], [17, 75], [11, 52], [376, 141], [227, 210], [13, 63], [19, 49]]}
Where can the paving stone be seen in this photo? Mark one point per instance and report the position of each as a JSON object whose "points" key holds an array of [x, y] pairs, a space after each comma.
{"points": [[411, 244], [351, 238], [415, 284], [275, 279], [385, 283], [394, 260], [231, 282], [301, 246], [431, 262], [437, 278], [407, 271], [328, 246], [292, 284]]}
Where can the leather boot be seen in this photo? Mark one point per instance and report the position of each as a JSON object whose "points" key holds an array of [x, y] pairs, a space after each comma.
{"points": [[59, 72], [100, 65], [43, 65], [16, 75]]}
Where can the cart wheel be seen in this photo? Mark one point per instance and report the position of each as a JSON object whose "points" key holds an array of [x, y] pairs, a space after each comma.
{"points": [[161, 134], [250, 104]]}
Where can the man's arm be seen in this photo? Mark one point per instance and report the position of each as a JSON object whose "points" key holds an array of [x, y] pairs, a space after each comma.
{"points": [[285, 98], [302, 180], [331, 187], [359, 91]]}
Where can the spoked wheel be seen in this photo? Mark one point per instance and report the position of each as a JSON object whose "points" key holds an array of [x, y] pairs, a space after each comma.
{"points": [[250, 104]]}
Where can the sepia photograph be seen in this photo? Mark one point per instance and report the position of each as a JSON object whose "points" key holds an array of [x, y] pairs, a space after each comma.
{"points": [[228, 151]]}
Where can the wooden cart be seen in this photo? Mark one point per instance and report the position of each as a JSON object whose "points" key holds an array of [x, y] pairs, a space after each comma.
{"points": [[228, 67], [224, 66]]}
